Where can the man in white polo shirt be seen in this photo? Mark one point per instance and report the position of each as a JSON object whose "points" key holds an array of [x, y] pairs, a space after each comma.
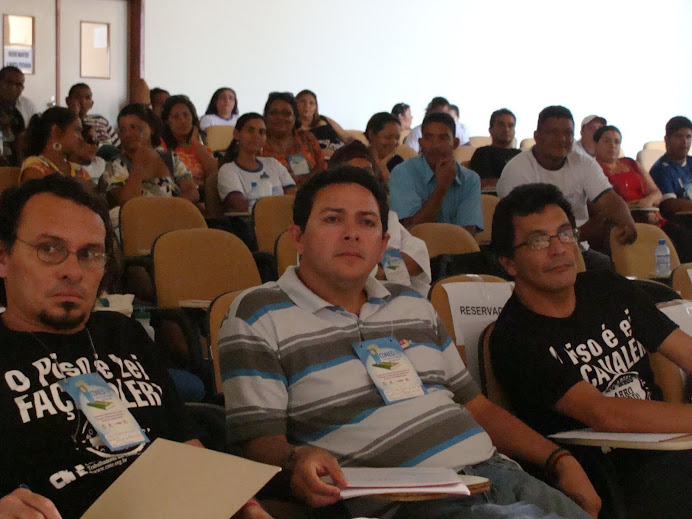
{"points": [[551, 160]]}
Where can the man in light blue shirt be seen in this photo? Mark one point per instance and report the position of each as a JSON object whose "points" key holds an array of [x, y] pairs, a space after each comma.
{"points": [[433, 187]]}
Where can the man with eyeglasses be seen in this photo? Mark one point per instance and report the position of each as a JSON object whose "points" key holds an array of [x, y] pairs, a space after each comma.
{"points": [[55, 243], [579, 177], [572, 350]]}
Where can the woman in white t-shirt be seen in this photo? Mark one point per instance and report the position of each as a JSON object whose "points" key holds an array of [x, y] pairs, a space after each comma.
{"points": [[242, 166], [222, 109]]}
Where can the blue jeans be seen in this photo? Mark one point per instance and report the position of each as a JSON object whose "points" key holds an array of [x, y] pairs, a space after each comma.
{"points": [[513, 494]]}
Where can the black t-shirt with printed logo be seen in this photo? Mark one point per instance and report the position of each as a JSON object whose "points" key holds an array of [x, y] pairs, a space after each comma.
{"points": [[537, 359], [48, 445]]}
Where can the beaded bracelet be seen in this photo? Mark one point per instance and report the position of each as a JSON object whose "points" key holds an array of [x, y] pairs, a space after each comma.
{"points": [[552, 460]]}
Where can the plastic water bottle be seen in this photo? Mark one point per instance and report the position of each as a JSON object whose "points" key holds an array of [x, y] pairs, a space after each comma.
{"points": [[265, 185], [662, 259], [253, 195]]}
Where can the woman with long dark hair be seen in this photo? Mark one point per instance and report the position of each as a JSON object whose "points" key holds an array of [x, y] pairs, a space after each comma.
{"points": [[222, 109], [181, 135], [243, 166], [52, 138], [141, 169]]}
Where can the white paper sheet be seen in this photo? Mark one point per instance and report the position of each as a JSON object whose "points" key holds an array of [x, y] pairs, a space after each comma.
{"points": [[588, 434]]}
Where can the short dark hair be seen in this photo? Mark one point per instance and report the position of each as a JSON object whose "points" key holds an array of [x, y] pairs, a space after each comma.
{"points": [[522, 201], [455, 109], [211, 109], [553, 112], [147, 115], [354, 150], [13, 200], [167, 134], [498, 113], [400, 109], [378, 121], [435, 103], [77, 86], [343, 174], [157, 90], [677, 123], [608, 128], [440, 117], [6, 70], [286, 97], [38, 132]]}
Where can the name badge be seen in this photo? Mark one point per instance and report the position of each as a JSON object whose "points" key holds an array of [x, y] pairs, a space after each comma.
{"points": [[394, 267], [390, 369], [114, 424], [298, 164]]}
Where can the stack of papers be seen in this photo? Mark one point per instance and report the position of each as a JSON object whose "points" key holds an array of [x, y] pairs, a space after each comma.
{"points": [[401, 480]]}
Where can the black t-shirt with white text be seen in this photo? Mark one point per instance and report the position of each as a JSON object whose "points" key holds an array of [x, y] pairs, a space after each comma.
{"points": [[45, 442], [537, 359]]}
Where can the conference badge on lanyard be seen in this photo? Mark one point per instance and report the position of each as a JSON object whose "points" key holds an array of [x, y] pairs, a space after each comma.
{"points": [[390, 369], [114, 424]]}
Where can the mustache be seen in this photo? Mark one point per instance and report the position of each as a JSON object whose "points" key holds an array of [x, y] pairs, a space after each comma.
{"points": [[558, 264], [67, 287]]}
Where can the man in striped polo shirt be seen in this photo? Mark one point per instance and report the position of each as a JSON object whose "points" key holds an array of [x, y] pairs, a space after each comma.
{"points": [[300, 360]]}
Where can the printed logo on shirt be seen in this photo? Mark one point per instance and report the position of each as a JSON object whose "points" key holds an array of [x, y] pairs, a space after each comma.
{"points": [[604, 360], [127, 377]]}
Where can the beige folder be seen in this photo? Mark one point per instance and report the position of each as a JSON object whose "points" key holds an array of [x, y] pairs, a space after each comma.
{"points": [[173, 480]]}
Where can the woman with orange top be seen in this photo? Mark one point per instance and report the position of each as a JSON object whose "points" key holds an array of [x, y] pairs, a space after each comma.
{"points": [[637, 188], [298, 151], [181, 135], [52, 138]]}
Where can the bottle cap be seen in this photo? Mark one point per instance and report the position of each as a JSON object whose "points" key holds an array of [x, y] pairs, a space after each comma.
{"points": [[662, 241]]}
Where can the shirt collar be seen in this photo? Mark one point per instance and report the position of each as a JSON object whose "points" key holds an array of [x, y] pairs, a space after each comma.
{"points": [[430, 174], [306, 299]]}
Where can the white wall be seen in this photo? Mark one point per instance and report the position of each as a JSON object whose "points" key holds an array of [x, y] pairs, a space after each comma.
{"points": [[40, 86], [629, 61], [109, 94]]}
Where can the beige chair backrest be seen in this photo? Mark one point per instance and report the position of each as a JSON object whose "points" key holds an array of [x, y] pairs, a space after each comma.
{"points": [[526, 144], [489, 384], [479, 141], [200, 264], [213, 205], [403, 135], [681, 280], [638, 258], [144, 218], [359, 135], [219, 137], [440, 301], [488, 203], [445, 238], [655, 145], [215, 317], [648, 157], [463, 153], [9, 176], [272, 216], [405, 151], [285, 253]]}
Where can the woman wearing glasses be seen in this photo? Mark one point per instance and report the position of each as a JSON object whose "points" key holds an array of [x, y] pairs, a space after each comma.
{"points": [[299, 152]]}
